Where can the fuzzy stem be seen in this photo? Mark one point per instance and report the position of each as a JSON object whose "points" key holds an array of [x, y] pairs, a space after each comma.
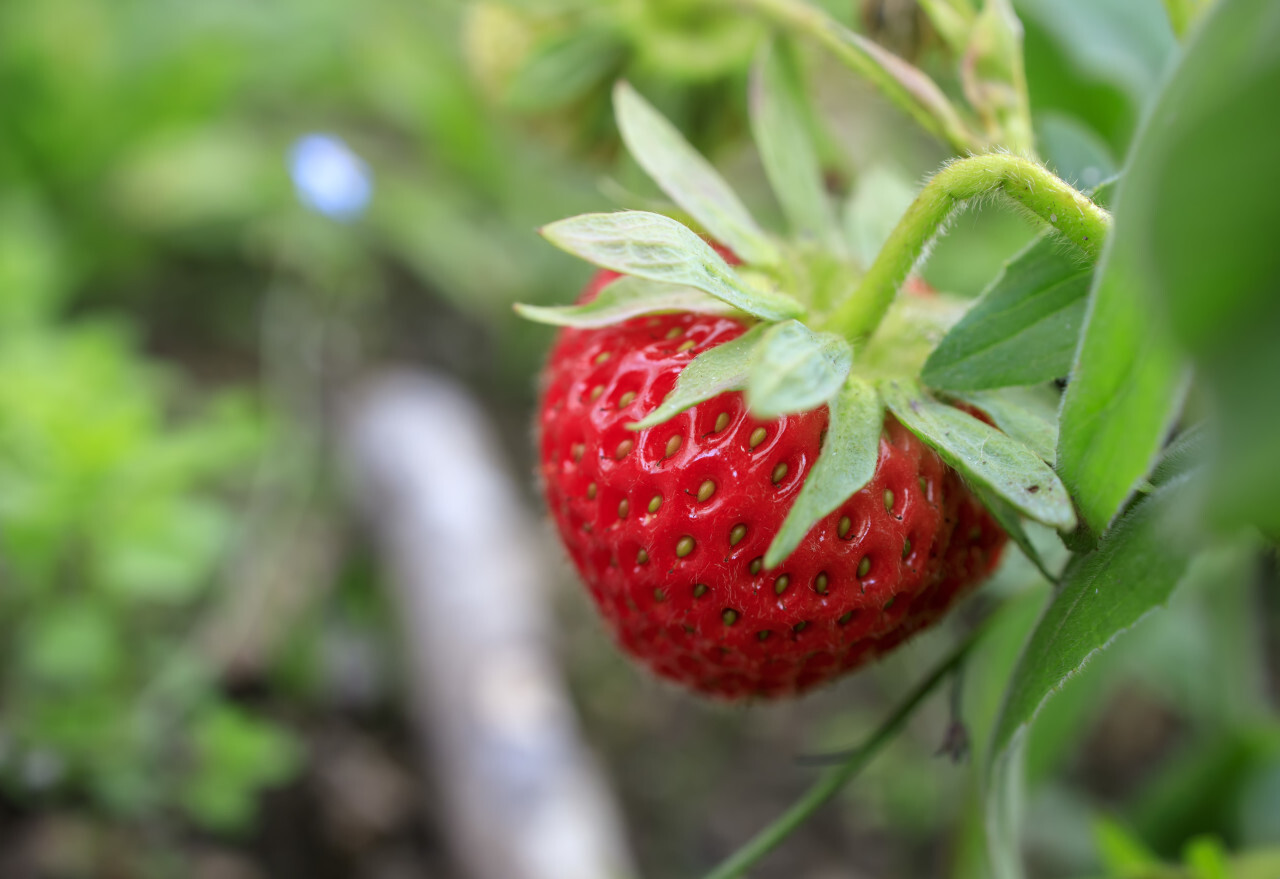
{"points": [[1029, 184], [902, 83], [827, 786]]}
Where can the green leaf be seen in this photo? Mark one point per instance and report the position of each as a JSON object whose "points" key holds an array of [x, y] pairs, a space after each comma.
{"points": [[1029, 415], [710, 374], [688, 178], [846, 464], [660, 249], [1023, 330], [625, 298], [1197, 224], [1126, 386], [780, 124], [1009, 520], [565, 69], [983, 455], [795, 369], [1103, 593]]}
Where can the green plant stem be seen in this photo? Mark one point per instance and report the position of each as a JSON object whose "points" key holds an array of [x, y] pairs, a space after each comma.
{"points": [[827, 786], [1182, 13], [1026, 183], [905, 85]]}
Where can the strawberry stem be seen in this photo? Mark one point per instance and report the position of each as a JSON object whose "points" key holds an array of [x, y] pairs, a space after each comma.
{"points": [[901, 82], [831, 783], [1028, 184]]}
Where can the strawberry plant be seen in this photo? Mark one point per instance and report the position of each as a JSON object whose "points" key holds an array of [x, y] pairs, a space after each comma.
{"points": [[772, 459]]}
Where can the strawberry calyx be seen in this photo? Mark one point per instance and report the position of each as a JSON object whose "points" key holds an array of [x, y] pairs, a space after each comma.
{"points": [[784, 293]]}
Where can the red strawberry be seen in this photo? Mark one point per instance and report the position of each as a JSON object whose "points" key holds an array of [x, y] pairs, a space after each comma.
{"points": [[668, 526]]}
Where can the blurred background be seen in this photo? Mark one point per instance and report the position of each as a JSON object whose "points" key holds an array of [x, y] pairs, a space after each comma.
{"points": [[231, 232]]}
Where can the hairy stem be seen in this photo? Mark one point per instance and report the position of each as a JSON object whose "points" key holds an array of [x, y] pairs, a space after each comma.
{"points": [[827, 786], [905, 85], [1026, 183]]}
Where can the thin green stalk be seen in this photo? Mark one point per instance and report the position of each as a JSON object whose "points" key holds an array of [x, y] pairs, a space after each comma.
{"points": [[1182, 13], [902, 83], [827, 786], [1029, 184]]}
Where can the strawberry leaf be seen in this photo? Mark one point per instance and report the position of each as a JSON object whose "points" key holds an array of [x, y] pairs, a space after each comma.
{"points": [[1029, 415], [1126, 386], [780, 125], [688, 178], [1023, 330], [710, 374], [983, 455], [795, 369], [846, 464], [660, 249], [625, 298]]}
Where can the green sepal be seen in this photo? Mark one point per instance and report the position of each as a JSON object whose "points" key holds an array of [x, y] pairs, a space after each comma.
{"points": [[1024, 328], [625, 298], [1029, 415], [710, 374], [660, 249], [795, 369], [984, 456], [682, 173], [845, 465]]}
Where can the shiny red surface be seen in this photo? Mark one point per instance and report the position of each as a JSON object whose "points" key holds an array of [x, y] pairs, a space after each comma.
{"points": [[778, 642]]}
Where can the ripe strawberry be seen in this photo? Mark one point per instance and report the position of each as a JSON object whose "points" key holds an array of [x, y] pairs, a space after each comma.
{"points": [[668, 526]]}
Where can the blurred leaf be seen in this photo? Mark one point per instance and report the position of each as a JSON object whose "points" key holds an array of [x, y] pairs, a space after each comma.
{"points": [[846, 463], [1023, 330], [688, 178], [880, 197], [71, 644], [780, 122], [1074, 151], [1097, 60], [208, 175], [1122, 853], [162, 552], [982, 454], [658, 248], [1198, 217], [1207, 858], [235, 757], [565, 68], [722, 368], [794, 369]]}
